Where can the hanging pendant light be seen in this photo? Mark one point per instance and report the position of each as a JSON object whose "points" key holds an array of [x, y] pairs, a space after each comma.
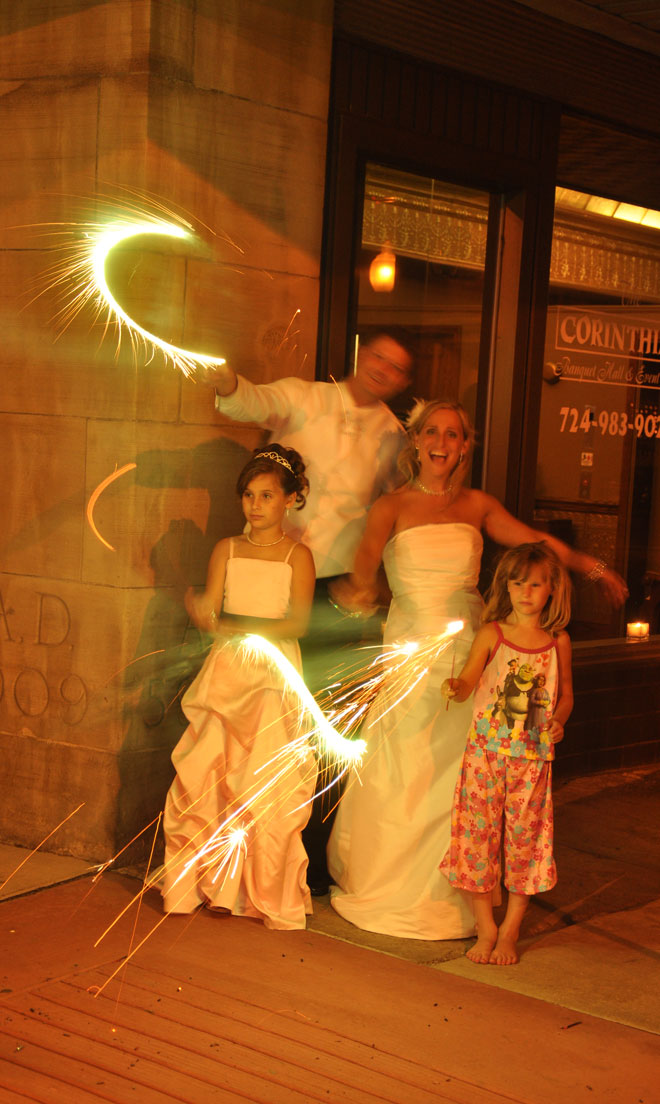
{"points": [[382, 270]]}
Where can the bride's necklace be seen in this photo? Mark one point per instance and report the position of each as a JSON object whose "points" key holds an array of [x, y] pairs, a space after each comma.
{"points": [[428, 491], [265, 544]]}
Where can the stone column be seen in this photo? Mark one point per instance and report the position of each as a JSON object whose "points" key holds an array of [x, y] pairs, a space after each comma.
{"points": [[216, 110]]}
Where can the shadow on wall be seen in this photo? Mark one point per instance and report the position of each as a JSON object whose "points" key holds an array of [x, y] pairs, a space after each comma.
{"points": [[169, 650]]}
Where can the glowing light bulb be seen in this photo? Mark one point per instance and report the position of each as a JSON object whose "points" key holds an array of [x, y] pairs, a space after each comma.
{"points": [[382, 271]]}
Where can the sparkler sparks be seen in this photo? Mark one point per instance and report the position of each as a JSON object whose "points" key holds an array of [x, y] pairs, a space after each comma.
{"points": [[330, 741], [81, 274], [215, 854], [226, 852], [39, 845], [388, 680]]}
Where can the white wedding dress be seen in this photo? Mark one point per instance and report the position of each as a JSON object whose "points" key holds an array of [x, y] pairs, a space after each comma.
{"points": [[393, 823]]}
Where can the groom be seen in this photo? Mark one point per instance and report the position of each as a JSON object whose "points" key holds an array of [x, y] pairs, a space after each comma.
{"points": [[349, 440]]}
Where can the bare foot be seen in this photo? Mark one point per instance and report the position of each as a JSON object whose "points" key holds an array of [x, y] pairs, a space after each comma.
{"points": [[482, 950], [505, 952]]}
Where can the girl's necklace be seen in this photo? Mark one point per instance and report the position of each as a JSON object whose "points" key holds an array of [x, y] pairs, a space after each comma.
{"points": [[267, 544], [428, 491]]}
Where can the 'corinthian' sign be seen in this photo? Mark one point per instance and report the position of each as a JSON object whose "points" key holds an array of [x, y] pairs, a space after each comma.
{"points": [[618, 346]]}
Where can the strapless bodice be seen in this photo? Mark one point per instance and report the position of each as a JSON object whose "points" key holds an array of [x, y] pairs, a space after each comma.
{"points": [[257, 588], [433, 571]]}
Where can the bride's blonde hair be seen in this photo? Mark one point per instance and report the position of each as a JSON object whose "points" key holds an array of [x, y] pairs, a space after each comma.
{"points": [[408, 462]]}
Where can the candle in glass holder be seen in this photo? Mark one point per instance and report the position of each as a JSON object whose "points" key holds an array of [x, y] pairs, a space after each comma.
{"points": [[637, 630]]}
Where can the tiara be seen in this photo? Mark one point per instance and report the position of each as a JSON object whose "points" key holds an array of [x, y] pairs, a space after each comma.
{"points": [[278, 459]]}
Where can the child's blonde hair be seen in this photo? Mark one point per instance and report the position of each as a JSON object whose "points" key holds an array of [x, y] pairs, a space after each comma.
{"points": [[516, 564]]}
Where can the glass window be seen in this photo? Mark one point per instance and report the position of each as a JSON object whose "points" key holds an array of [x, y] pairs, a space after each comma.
{"points": [[433, 235], [598, 480]]}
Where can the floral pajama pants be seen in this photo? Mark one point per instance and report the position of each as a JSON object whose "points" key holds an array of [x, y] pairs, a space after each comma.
{"points": [[502, 805]]}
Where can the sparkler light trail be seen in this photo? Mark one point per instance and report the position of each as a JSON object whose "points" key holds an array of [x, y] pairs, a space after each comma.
{"points": [[43, 841], [82, 275], [391, 676], [331, 742], [217, 851], [96, 494]]}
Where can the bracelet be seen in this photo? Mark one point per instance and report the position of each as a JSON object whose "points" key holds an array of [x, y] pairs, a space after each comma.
{"points": [[213, 617], [597, 571], [357, 615]]}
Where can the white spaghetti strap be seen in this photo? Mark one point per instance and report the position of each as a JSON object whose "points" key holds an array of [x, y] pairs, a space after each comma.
{"points": [[231, 548], [286, 558]]}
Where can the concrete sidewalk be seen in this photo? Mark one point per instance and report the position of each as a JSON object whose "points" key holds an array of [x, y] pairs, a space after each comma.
{"points": [[217, 1008], [593, 943]]}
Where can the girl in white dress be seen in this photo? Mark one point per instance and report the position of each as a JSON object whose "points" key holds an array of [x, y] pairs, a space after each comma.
{"points": [[394, 820], [235, 811]]}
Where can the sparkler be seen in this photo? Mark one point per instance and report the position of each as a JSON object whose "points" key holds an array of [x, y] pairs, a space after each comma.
{"points": [[81, 272], [388, 680], [226, 852], [222, 850]]}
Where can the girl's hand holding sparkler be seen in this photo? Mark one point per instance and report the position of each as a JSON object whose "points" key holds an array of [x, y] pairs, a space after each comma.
{"points": [[449, 688], [455, 689]]}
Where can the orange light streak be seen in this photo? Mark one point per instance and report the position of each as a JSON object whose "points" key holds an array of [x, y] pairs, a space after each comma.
{"points": [[104, 866], [96, 494], [286, 332], [137, 916], [138, 659], [44, 840]]}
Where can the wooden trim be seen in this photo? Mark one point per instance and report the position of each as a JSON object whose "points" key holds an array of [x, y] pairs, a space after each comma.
{"points": [[394, 110], [492, 41], [577, 506], [595, 653]]}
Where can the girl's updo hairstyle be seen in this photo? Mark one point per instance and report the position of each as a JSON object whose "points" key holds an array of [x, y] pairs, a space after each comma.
{"points": [[285, 463], [408, 462]]}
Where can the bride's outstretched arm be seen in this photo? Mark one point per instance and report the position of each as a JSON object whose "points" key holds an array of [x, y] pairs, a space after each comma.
{"points": [[506, 529], [358, 592]]}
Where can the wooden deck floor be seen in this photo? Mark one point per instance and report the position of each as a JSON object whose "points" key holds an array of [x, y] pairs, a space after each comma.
{"points": [[219, 1009]]}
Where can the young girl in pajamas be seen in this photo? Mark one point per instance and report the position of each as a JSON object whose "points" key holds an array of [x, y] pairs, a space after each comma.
{"points": [[520, 663]]}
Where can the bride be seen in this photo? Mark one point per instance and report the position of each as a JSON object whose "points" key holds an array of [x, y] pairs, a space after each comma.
{"points": [[393, 822]]}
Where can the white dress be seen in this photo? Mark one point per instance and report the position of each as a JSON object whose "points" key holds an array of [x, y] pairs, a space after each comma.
{"points": [[230, 771], [393, 823]]}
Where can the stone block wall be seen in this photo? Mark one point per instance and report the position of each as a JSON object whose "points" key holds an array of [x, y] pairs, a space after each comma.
{"points": [[215, 109]]}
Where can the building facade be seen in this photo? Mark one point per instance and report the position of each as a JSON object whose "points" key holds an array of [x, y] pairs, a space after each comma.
{"points": [[508, 158]]}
